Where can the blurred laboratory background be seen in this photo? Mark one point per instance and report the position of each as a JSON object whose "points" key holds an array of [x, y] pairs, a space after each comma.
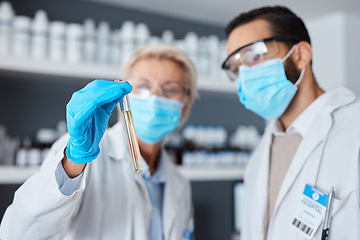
{"points": [[50, 49]]}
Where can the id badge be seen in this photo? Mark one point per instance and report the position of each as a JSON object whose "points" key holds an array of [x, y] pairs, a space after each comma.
{"points": [[310, 211], [188, 235]]}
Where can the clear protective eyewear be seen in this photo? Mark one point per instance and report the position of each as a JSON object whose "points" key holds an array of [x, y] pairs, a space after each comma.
{"points": [[146, 87], [252, 54]]}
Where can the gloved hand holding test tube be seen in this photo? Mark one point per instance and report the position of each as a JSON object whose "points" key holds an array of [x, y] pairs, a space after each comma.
{"points": [[130, 132], [87, 115]]}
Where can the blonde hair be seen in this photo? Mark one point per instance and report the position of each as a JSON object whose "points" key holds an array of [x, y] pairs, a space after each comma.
{"points": [[161, 51]]}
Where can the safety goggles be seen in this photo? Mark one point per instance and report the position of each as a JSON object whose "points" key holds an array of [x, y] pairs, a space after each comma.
{"points": [[253, 53], [146, 87]]}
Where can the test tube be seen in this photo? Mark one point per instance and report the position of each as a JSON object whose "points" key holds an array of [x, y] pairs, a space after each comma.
{"points": [[130, 132]]}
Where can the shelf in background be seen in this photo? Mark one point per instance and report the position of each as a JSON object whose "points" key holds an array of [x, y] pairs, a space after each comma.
{"points": [[224, 86], [18, 175], [61, 69], [213, 174], [89, 71]]}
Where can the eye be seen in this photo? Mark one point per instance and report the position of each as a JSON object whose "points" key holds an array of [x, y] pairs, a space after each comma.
{"points": [[143, 86], [171, 90], [257, 57], [236, 71], [140, 86]]}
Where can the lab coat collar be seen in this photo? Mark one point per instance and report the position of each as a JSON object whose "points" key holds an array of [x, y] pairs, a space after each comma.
{"points": [[174, 190], [160, 175], [316, 134], [118, 151], [303, 122]]}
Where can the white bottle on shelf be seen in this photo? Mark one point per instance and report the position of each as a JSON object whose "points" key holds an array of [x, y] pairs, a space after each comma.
{"points": [[142, 34], [57, 41], [153, 40], [186, 159], [21, 36], [46, 136], [214, 63], [189, 133], [103, 43], [127, 40], [39, 35], [89, 41], [74, 34], [167, 37], [6, 21], [222, 77], [191, 46], [22, 154], [180, 44], [203, 59], [115, 56], [21, 157], [34, 157], [12, 144]]}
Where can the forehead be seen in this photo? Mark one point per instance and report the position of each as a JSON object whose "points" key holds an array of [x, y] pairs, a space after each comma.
{"points": [[159, 69], [248, 33]]}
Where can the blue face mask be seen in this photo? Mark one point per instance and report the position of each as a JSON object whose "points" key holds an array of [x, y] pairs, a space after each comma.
{"points": [[264, 88], [154, 117]]}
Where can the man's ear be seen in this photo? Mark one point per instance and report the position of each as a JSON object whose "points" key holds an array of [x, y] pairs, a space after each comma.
{"points": [[302, 55]]}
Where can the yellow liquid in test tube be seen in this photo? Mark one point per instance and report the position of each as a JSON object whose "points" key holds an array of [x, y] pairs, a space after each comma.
{"points": [[132, 141], [130, 133]]}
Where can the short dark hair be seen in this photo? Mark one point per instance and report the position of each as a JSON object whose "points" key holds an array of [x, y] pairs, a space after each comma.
{"points": [[283, 22]]}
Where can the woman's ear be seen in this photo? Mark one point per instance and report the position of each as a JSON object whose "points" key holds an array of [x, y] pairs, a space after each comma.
{"points": [[302, 55]]}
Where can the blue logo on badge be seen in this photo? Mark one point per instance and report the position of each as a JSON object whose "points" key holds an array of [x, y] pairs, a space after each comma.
{"points": [[315, 194], [188, 234]]}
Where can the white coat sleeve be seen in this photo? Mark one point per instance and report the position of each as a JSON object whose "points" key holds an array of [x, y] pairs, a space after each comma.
{"points": [[66, 184], [39, 209]]}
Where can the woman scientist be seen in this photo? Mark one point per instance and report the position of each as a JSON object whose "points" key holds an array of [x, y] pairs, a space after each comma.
{"points": [[81, 192]]}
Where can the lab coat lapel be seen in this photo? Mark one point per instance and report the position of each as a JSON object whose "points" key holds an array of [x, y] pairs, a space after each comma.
{"points": [[256, 182], [262, 189], [141, 204], [172, 194], [314, 137], [118, 147], [118, 151]]}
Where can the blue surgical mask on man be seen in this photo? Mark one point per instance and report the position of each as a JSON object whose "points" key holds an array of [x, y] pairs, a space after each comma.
{"points": [[154, 116], [265, 89]]}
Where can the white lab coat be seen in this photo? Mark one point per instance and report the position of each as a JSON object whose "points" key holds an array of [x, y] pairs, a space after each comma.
{"points": [[336, 132], [111, 203]]}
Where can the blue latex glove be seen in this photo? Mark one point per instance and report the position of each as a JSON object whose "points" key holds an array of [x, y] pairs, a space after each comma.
{"points": [[87, 115]]}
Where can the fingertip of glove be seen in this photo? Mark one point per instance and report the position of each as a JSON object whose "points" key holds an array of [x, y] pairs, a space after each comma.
{"points": [[128, 88]]}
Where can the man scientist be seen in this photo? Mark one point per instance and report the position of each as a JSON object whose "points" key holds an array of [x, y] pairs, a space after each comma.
{"points": [[312, 143]]}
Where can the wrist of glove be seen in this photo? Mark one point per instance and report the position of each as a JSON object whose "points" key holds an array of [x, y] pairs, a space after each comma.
{"points": [[76, 155], [87, 115]]}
